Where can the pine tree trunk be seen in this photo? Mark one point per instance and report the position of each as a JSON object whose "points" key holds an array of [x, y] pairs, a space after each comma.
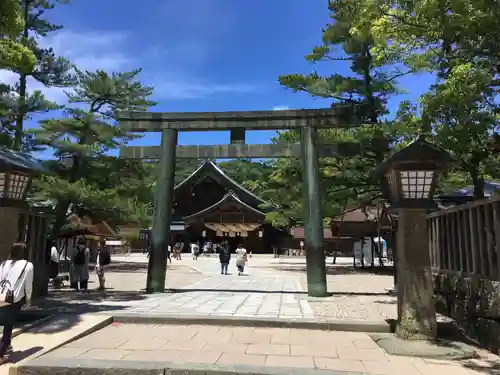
{"points": [[478, 183], [18, 137]]}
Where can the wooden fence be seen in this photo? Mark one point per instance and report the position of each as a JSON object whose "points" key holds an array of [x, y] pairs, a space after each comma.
{"points": [[466, 238]]}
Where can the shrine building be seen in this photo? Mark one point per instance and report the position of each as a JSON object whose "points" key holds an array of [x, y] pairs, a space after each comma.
{"points": [[210, 206]]}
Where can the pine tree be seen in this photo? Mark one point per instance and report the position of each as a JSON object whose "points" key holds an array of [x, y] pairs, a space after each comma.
{"points": [[373, 80], [48, 69], [458, 41], [84, 138]]}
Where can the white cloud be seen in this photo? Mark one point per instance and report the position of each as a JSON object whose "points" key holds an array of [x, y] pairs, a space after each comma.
{"points": [[166, 69], [281, 108], [88, 51], [51, 93], [180, 89]]}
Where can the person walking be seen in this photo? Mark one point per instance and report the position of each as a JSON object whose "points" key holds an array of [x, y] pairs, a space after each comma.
{"points": [[224, 257], [169, 250], [103, 260], [79, 268], [241, 259], [54, 265], [16, 286], [195, 249]]}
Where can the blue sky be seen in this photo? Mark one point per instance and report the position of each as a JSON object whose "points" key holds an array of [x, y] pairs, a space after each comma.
{"points": [[203, 55]]}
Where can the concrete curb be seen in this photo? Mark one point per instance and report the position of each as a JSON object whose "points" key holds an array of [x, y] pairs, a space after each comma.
{"points": [[97, 367], [15, 368], [332, 325]]}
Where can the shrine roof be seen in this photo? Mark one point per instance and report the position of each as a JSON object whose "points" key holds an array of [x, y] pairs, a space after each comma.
{"points": [[209, 168], [230, 197]]}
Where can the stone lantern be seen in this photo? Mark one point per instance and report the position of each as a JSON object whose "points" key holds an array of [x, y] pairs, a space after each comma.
{"points": [[409, 179], [16, 172]]}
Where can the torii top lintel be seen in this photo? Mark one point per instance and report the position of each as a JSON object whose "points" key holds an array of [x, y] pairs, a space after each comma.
{"points": [[340, 116]]}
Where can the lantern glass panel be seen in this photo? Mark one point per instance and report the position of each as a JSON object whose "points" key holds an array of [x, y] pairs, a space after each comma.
{"points": [[416, 184], [17, 185], [393, 184], [2, 184]]}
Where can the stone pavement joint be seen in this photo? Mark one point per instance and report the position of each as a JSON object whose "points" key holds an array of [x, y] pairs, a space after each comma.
{"points": [[93, 367], [209, 349], [250, 321]]}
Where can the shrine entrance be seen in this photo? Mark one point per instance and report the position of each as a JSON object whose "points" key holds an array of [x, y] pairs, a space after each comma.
{"points": [[306, 120]]}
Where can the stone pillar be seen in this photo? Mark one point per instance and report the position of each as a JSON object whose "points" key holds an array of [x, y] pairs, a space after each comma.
{"points": [[9, 220], [160, 234], [415, 289], [313, 228]]}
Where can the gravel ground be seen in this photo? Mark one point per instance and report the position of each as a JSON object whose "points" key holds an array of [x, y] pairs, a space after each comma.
{"points": [[355, 297]]}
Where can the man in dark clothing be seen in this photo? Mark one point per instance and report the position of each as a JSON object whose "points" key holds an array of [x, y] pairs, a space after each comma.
{"points": [[224, 257]]}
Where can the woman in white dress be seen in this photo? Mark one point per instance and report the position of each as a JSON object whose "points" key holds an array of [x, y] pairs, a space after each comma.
{"points": [[16, 286], [241, 259]]}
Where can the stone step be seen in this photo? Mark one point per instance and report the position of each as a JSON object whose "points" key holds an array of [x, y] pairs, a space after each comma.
{"points": [[51, 335]]}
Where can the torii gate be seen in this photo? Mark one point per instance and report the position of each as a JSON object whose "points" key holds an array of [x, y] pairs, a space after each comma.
{"points": [[307, 120]]}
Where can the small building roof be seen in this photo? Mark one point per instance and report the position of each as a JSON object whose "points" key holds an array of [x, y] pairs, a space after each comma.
{"points": [[85, 225], [363, 215], [21, 161], [298, 233], [490, 188]]}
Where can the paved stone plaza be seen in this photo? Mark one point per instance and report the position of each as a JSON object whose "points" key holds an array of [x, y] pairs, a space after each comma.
{"points": [[345, 352], [268, 290], [265, 291], [257, 293]]}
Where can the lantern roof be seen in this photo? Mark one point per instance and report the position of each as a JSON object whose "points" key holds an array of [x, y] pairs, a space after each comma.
{"points": [[419, 151], [16, 160]]}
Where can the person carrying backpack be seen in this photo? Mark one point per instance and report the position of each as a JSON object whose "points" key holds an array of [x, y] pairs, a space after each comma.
{"points": [[79, 268], [103, 259], [224, 257], [16, 285]]}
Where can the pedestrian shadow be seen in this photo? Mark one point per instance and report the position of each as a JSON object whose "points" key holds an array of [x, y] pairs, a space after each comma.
{"points": [[18, 355]]}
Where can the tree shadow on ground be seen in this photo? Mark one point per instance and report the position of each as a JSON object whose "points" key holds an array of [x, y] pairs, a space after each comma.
{"points": [[72, 304], [130, 267], [59, 316], [341, 270], [485, 366], [387, 302], [124, 267]]}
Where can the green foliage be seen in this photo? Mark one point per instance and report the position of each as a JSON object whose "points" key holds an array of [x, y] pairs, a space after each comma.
{"points": [[111, 189], [13, 55], [345, 181], [379, 40], [458, 41], [251, 175], [46, 68]]}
